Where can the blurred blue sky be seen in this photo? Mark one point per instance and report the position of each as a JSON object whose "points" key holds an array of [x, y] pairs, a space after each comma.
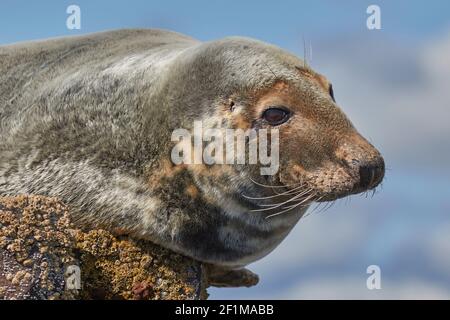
{"points": [[393, 83], [282, 23]]}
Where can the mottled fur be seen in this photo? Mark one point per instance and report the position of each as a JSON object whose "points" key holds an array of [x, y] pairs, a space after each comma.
{"points": [[88, 119]]}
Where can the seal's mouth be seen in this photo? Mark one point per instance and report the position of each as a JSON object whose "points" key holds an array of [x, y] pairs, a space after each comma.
{"points": [[329, 185], [336, 179], [365, 179]]}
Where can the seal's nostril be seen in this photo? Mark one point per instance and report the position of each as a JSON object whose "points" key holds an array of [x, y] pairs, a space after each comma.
{"points": [[370, 175], [366, 176]]}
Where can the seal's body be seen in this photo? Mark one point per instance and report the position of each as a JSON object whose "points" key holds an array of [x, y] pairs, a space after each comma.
{"points": [[89, 120]]}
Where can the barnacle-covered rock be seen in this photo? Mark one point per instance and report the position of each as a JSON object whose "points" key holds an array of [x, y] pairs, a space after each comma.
{"points": [[42, 254]]}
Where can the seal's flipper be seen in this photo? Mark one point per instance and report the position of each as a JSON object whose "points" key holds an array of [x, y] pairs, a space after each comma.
{"points": [[222, 277]]}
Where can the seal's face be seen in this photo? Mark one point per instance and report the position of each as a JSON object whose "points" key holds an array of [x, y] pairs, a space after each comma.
{"points": [[245, 84], [320, 150], [322, 157]]}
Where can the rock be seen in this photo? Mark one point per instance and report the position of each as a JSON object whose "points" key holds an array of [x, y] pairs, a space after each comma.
{"points": [[42, 256]]}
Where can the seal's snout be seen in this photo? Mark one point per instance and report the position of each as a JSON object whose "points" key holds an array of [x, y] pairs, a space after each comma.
{"points": [[363, 161], [370, 174]]}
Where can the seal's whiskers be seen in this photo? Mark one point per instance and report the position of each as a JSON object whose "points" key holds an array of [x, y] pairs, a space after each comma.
{"points": [[273, 186], [292, 207], [277, 205], [293, 199], [273, 196]]}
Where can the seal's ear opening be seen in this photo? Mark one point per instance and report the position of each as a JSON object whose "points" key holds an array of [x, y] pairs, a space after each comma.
{"points": [[231, 104]]}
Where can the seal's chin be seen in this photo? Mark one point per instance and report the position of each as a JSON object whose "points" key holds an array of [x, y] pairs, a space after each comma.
{"points": [[312, 194], [337, 192], [332, 196]]}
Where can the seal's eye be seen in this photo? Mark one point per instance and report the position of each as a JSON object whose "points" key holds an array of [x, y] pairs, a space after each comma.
{"points": [[330, 90], [275, 116]]}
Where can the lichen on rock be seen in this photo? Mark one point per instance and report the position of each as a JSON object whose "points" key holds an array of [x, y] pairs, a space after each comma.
{"points": [[38, 244]]}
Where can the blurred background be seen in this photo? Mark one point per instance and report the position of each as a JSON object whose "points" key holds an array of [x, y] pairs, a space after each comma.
{"points": [[393, 83]]}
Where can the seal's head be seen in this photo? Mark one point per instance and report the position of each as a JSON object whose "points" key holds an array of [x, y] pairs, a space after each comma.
{"points": [[245, 84]]}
